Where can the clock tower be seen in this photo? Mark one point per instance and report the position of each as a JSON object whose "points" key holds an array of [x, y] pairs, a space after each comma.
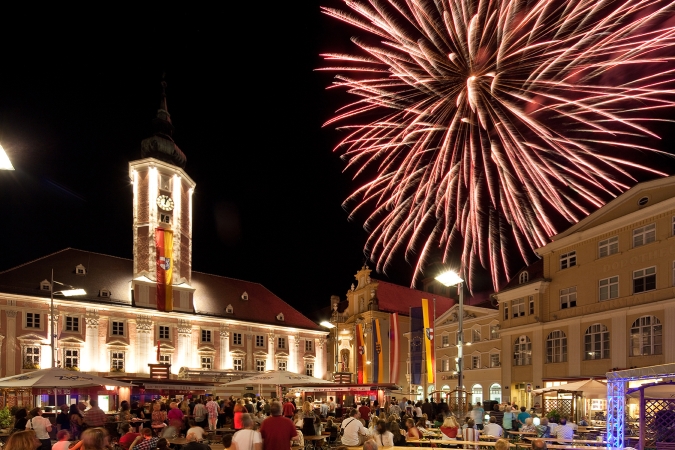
{"points": [[162, 198]]}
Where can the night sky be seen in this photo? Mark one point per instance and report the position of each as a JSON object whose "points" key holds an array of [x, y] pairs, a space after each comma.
{"points": [[77, 97], [78, 91]]}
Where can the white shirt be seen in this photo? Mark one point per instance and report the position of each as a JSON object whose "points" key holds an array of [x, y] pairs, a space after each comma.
{"points": [[564, 432], [40, 425], [352, 429], [61, 445], [385, 440], [197, 431], [477, 414], [246, 439], [493, 429]]}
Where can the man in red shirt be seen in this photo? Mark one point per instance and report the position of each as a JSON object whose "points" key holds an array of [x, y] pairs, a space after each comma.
{"points": [[365, 412], [278, 432], [289, 409]]}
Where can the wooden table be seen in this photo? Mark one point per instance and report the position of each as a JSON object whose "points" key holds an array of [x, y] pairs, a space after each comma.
{"points": [[574, 447], [313, 440], [572, 441], [520, 434]]}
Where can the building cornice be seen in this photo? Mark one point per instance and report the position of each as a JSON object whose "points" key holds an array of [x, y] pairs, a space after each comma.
{"points": [[532, 288], [152, 162]]}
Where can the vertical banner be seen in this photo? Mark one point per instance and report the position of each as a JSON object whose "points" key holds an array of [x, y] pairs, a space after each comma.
{"points": [[393, 349], [417, 336], [378, 375], [158, 351], [361, 354], [164, 246], [429, 341]]}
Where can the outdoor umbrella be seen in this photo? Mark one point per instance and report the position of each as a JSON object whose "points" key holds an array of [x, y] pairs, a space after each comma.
{"points": [[278, 378], [57, 378], [590, 388]]}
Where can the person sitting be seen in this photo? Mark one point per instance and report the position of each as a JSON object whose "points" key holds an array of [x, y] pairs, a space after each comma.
{"points": [[145, 441], [583, 422], [227, 441], [332, 429], [383, 437], [543, 429], [398, 436], [192, 443], [413, 432], [493, 428], [539, 444], [128, 436], [564, 432], [163, 444], [196, 430], [449, 429], [470, 433], [502, 444], [63, 440], [528, 426]]}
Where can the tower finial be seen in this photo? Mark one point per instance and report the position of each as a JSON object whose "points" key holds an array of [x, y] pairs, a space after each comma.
{"points": [[161, 144]]}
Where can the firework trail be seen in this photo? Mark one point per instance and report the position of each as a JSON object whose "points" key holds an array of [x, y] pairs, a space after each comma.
{"points": [[480, 125]]}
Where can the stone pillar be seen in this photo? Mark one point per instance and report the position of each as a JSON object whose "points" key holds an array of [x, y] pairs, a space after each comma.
{"points": [[144, 343], [320, 367], [184, 344], [294, 350], [249, 364], [90, 360], [224, 347], [11, 342], [270, 352]]}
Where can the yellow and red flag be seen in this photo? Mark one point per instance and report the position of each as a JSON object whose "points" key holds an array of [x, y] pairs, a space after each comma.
{"points": [[361, 355], [429, 341], [164, 247]]}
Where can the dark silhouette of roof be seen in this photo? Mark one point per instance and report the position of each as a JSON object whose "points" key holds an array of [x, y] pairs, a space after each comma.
{"points": [[394, 298], [213, 293]]}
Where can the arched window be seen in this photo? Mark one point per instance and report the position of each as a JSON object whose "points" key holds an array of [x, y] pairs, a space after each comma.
{"points": [[430, 389], [556, 347], [476, 394], [645, 337], [522, 352], [596, 342], [523, 278], [496, 393]]}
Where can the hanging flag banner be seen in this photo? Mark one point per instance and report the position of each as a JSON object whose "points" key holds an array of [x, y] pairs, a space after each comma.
{"points": [[416, 348], [158, 351], [429, 341], [378, 359], [394, 350], [164, 247], [361, 354]]}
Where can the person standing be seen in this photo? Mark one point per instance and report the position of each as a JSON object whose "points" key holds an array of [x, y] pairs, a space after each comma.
{"points": [[94, 416], [239, 411], [212, 408], [247, 438], [289, 409], [200, 413], [365, 412], [428, 408], [277, 431], [62, 421], [477, 414], [508, 419], [42, 427], [522, 416]]}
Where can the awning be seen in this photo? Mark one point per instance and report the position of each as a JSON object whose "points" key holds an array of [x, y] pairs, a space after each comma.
{"points": [[178, 387]]}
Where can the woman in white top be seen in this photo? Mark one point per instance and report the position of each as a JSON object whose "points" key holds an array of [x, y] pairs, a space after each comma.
{"points": [[42, 427], [383, 437], [247, 438]]}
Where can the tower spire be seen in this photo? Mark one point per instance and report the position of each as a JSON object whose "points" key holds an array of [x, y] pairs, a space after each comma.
{"points": [[161, 144]]}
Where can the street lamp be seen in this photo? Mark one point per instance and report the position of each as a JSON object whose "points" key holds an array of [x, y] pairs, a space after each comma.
{"points": [[452, 278], [5, 163], [66, 293]]}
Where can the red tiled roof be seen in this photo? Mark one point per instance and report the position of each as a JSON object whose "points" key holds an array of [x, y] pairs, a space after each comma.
{"points": [[212, 296], [394, 298]]}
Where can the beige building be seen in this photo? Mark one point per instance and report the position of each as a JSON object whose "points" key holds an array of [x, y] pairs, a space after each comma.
{"points": [[482, 352], [602, 297]]}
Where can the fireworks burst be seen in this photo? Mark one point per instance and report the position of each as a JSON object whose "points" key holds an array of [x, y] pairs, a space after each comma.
{"points": [[486, 122]]}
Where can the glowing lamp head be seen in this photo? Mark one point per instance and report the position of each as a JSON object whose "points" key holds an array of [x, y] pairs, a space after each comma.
{"points": [[71, 292], [5, 163], [327, 324], [449, 278], [536, 421]]}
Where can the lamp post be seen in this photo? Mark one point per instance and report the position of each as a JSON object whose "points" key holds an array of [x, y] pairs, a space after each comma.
{"points": [[330, 326], [452, 278], [66, 293]]}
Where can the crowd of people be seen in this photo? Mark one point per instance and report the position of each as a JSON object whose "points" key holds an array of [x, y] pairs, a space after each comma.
{"points": [[270, 425]]}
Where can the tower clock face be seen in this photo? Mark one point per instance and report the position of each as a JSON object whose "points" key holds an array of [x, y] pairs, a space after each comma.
{"points": [[165, 202]]}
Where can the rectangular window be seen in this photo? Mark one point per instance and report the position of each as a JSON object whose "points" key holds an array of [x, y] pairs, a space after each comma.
{"points": [[238, 363], [236, 338], [207, 362], [518, 307], [309, 369], [309, 345], [475, 335], [568, 259], [281, 365], [475, 362], [164, 332], [71, 358], [494, 360], [260, 365], [117, 328], [72, 324], [568, 297], [506, 311], [117, 361], [206, 336], [445, 341], [281, 342], [165, 218], [644, 235], [608, 247], [31, 358], [446, 365], [644, 280], [260, 340], [531, 305], [32, 320], [165, 359], [609, 288], [494, 331]]}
